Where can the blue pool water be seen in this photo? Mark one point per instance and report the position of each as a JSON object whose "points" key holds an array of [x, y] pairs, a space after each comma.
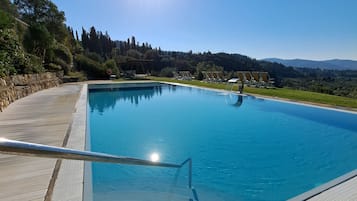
{"points": [[243, 148]]}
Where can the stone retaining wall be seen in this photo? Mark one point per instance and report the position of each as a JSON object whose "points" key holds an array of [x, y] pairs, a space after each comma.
{"points": [[19, 86]]}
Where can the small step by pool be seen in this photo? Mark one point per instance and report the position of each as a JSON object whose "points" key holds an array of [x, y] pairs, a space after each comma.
{"points": [[243, 147]]}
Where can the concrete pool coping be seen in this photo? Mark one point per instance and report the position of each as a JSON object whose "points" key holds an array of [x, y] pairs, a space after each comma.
{"points": [[69, 184]]}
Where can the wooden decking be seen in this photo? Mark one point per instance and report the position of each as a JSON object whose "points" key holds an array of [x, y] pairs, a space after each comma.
{"points": [[44, 118]]}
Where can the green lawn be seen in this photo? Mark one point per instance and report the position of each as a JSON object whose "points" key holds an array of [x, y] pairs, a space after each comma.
{"points": [[285, 93]]}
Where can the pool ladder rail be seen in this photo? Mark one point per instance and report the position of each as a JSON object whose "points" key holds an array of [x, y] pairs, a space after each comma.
{"points": [[39, 150]]}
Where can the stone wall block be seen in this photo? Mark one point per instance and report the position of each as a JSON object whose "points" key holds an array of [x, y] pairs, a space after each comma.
{"points": [[19, 86]]}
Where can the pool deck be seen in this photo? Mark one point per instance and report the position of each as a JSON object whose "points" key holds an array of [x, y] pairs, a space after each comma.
{"points": [[57, 117], [43, 117], [341, 188]]}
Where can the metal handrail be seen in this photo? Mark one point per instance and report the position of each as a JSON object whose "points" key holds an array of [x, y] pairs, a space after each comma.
{"points": [[39, 150]]}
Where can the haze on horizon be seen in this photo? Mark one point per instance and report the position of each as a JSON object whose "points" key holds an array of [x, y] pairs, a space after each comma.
{"points": [[316, 30]]}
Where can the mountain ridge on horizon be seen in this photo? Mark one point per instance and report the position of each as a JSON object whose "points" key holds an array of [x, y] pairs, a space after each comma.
{"points": [[331, 64]]}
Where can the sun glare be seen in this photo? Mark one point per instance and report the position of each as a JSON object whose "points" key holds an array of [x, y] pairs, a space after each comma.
{"points": [[154, 157], [153, 7]]}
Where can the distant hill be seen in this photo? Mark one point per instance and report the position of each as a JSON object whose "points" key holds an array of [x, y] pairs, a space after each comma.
{"points": [[334, 64]]}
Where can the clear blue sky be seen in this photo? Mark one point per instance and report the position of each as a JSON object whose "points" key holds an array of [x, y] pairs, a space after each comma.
{"points": [[307, 29]]}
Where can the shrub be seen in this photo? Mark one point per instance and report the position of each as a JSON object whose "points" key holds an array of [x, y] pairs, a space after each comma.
{"points": [[6, 21], [53, 67], [94, 56], [80, 76], [37, 40], [134, 54], [66, 67], [89, 66], [111, 64], [33, 64], [63, 53], [60, 55], [5, 65], [167, 72], [12, 56]]}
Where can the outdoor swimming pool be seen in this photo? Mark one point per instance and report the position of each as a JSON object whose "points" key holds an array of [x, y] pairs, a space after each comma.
{"points": [[243, 148]]}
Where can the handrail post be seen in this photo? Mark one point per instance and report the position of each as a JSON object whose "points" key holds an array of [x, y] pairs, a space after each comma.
{"points": [[190, 173], [189, 161]]}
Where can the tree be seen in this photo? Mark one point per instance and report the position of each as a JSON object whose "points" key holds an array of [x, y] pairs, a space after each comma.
{"points": [[84, 38], [208, 66], [77, 36], [134, 54], [43, 12], [6, 21], [93, 43], [152, 54], [133, 43], [96, 41], [6, 6], [37, 40], [54, 22]]}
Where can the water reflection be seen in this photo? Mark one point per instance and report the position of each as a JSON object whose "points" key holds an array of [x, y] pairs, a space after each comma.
{"points": [[100, 99], [234, 100], [171, 88]]}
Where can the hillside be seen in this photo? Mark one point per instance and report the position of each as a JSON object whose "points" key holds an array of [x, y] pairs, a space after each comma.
{"points": [[46, 43], [334, 64]]}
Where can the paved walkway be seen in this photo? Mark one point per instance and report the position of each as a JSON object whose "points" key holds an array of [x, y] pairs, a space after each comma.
{"points": [[44, 118]]}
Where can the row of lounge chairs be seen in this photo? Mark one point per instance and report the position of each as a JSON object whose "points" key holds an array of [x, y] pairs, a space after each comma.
{"points": [[255, 79], [183, 75], [249, 78], [213, 76]]}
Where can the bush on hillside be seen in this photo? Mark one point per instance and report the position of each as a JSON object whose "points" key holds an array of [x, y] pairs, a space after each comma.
{"points": [[62, 52], [13, 58], [94, 56], [111, 64], [61, 56], [167, 72], [6, 21], [92, 68], [53, 67], [33, 65], [37, 40]]}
